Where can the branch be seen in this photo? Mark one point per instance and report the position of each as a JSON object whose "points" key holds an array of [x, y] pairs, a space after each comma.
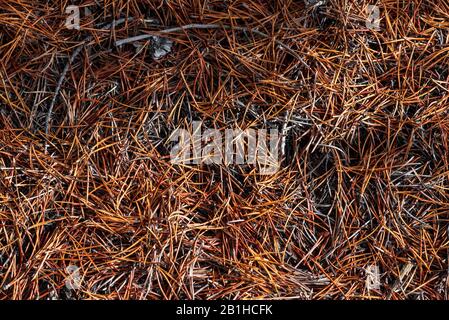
{"points": [[161, 33]]}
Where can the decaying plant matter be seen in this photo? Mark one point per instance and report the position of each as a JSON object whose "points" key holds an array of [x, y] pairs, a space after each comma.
{"points": [[85, 172]]}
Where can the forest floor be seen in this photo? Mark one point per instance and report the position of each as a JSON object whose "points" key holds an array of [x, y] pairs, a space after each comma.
{"points": [[354, 93]]}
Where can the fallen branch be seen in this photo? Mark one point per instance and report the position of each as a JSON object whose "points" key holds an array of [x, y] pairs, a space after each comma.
{"points": [[161, 33]]}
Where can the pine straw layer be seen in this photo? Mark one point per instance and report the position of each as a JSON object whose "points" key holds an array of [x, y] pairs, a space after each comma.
{"points": [[364, 178]]}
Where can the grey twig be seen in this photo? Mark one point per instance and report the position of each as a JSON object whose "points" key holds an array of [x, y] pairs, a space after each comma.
{"points": [[208, 26]]}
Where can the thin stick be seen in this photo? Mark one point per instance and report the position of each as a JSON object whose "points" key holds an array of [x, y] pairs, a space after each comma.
{"points": [[208, 26]]}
